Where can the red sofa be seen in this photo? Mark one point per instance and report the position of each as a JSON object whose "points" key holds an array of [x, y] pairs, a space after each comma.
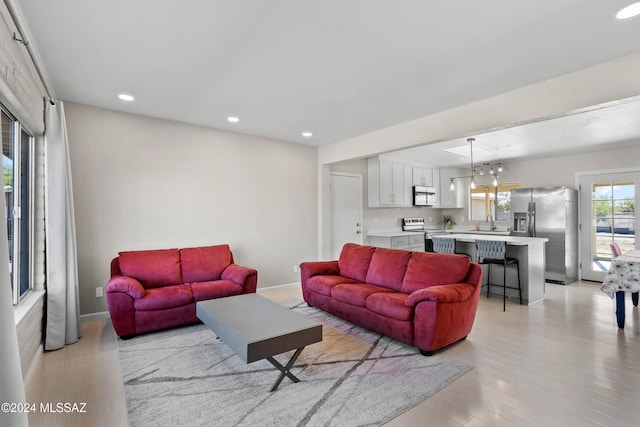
{"points": [[424, 299], [158, 289]]}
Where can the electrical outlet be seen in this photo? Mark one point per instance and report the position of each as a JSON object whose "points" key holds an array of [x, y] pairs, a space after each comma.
{"points": [[295, 268], [99, 292]]}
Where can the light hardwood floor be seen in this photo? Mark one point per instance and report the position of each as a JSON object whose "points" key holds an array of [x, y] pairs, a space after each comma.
{"points": [[561, 362]]}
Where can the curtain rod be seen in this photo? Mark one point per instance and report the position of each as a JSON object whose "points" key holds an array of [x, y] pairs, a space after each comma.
{"points": [[23, 38]]}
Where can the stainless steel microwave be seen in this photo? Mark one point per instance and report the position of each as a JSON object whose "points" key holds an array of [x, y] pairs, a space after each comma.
{"points": [[423, 196]]}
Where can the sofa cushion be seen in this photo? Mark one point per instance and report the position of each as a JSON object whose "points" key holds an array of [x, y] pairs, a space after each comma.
{"points": [[322, 284], [154, 268], [214, 289], [165, 297], [428, 269], [355, 294], [205, 263], [390, 304], [387, 268], [354, 261]]}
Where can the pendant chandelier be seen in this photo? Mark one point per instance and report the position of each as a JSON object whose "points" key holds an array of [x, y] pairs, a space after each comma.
{"points": [[493, 170]]}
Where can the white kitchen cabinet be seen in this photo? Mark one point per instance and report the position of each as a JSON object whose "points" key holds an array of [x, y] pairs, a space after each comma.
{"points": [[447, 198], [436, 186], [407, 188], [416, 242], [423, 176], [391, 180], [389, 183]]}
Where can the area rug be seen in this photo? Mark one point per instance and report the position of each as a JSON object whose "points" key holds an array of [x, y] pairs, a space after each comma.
{"points": [[188, 377]]}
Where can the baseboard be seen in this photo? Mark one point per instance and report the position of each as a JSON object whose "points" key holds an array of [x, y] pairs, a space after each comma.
{"points": [[94, 316], [286, 285]]}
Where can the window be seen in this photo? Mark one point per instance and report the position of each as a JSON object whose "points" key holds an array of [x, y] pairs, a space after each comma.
{"points": [[614, 215], [17, 165], [489, 200]]}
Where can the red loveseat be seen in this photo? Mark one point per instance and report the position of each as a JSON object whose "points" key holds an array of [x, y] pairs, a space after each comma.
{"points": [[158, 289], [424, 299]]}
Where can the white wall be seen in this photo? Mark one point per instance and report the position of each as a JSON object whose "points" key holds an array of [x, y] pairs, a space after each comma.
{"points": [[562, 170], [142, 183]]}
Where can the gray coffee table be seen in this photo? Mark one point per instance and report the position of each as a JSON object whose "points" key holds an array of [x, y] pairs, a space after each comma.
{"points": [[256, 328]]}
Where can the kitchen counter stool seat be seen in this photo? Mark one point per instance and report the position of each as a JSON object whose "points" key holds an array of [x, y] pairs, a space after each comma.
{"points": [[494, 252], [444, 245]]}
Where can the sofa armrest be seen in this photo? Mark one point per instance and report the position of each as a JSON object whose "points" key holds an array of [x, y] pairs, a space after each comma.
{"points": [[127, 285], [316, 268], [441, 293], [238, 274]]}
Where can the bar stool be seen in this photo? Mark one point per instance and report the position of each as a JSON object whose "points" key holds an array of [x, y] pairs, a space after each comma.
{"points": [[495, 252], [444, 245]]}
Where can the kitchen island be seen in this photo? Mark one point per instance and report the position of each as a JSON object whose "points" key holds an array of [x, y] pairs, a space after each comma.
{"points": [[529, 251], [407, 240]]}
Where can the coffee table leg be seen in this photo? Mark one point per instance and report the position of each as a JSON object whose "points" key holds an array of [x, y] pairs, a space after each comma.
{"points": [[284, 370]]}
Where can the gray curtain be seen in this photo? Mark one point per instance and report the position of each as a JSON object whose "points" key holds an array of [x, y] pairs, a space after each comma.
{"points": [[62, 318]]}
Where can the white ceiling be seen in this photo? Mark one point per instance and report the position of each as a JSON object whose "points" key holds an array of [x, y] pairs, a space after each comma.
{"points": [[337, 68], [599, 128]]}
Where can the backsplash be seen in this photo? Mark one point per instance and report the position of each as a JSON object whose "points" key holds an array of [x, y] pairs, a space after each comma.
{"points": [[391, 218]]}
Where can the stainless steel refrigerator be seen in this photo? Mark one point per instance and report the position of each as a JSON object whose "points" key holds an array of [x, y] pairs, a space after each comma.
{"points": [[550, 212]]}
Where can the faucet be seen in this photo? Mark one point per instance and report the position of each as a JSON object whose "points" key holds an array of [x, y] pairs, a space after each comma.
{"points": [[492, 224]]}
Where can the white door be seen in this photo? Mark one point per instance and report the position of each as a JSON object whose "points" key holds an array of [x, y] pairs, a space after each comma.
{"points": [[345, 199], [607, 214]]}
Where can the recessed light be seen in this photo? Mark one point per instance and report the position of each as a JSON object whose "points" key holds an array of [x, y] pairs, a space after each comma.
{"points": [[233, 119], [629, 11], [126, 97], [307, 134]]}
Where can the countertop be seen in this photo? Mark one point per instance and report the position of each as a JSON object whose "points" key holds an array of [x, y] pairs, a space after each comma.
{"points": [[398, 233], [489, 232], [462, 235], [511, 240]]}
